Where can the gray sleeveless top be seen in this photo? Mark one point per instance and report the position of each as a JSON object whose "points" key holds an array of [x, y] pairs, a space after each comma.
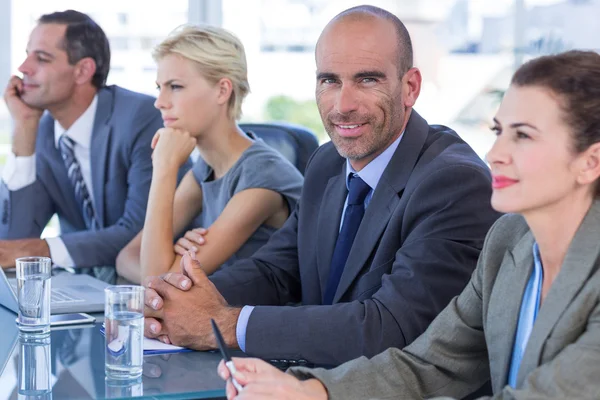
{"points": [[260, 166]]}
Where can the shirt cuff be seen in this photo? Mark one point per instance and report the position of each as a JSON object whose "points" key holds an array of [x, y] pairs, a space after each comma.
{"points": [[18, 172], [242, 324], [59, 253]]}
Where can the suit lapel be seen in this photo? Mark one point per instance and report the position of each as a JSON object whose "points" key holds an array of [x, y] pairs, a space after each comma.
{"points": [[330, 216], [385, 200], [578, 264], [99, 149], [504, 305]]}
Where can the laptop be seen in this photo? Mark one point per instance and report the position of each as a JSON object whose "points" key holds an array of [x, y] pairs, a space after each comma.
{"points": [[70, 293]]}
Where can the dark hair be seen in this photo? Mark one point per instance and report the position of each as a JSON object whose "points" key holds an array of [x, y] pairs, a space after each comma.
{"points": [[83, 38], [405, 50], [574, 77]]}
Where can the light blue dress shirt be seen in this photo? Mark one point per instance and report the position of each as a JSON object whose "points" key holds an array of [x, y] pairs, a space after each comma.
{"points": [[529, 309], [371, 174]]}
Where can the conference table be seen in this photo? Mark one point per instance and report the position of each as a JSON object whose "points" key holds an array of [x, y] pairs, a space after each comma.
{"points": [[76, 367]]}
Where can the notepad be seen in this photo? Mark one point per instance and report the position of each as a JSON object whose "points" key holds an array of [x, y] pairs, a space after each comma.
{"points": [[153, 346]]}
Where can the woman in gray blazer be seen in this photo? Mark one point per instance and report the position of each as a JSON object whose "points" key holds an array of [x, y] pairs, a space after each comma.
{"points": [[529, 319], [241, 189]]}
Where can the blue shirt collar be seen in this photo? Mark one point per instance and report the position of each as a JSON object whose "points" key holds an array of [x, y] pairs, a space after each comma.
{"points": [[530, 305], [372, 172]]}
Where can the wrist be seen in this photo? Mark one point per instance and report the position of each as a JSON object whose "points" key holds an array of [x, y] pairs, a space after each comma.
{"points": [[24, 137], [13, 249], [40, 247], [164, 168], [228, 325]]}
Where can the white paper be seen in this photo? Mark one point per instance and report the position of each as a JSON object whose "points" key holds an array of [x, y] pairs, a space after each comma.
{"points": [[157, 345]]}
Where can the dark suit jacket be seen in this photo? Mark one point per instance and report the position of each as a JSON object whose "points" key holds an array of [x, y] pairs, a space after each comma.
{"points": [[121, 168], [473, 338], [415, 249]]}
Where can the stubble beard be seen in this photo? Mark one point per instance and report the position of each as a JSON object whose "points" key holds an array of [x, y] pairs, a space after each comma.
{"points": [[36, 100], [359, 148]]}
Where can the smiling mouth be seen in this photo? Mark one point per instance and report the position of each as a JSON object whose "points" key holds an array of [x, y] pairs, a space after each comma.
{"points": [[500, 182], [352, 126]]}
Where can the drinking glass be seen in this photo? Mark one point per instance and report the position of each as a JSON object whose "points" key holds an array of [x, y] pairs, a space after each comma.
{"points": [[33, 294], [124, 331]]}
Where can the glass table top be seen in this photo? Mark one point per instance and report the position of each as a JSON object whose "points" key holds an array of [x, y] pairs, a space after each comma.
{"points": [[72, 361]]}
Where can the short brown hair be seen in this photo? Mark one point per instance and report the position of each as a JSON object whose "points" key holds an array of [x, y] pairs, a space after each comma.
{"points": [[574, 77], [83, 38]]}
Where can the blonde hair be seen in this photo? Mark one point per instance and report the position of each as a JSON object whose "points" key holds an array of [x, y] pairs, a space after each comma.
{"points": [[219, 54]]}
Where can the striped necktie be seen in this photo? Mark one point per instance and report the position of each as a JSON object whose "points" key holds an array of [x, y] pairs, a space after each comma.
{"points": [[82, 194]]}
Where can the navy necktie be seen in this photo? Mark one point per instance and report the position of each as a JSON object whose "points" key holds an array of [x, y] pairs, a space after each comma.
{"points": [[355, 209], [82, 194]]}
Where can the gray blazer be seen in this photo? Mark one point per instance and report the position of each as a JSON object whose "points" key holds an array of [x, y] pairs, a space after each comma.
{"points": [[121, 167], [416, 248], [473, 338]]}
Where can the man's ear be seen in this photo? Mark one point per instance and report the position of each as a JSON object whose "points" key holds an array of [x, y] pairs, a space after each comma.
{"points": [[85, 70], [411, 86]]}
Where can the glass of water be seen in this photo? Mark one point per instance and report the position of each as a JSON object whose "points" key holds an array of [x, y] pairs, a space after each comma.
{"points": [[33, 294], [34, 367], [124, 331]]}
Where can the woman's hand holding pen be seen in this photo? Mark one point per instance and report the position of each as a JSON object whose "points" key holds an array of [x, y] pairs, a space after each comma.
{"points": [[261, 380]]}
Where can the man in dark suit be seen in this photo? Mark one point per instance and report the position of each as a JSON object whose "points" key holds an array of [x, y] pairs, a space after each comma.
{"points": [[80, 149], [364, 283]]}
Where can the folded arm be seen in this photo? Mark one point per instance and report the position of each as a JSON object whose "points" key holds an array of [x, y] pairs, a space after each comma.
{"points": [[169, 212], [242, 216]]}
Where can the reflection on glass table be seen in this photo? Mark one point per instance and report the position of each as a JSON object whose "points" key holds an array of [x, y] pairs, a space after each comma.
{"points": [[70, 365], [123, 388], [35, 381]]}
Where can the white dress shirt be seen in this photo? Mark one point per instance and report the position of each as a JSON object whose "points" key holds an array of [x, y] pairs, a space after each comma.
{"points": [[20, 172]]}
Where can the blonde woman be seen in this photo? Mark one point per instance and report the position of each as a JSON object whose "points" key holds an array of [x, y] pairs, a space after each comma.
{"points": [[240, 188]]}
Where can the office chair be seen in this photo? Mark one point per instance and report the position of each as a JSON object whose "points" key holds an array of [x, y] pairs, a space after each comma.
{"points": [[296, 143]]}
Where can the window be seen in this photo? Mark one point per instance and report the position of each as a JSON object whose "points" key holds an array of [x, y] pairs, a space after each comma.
{"points": [[119, 43], [123, 18]]}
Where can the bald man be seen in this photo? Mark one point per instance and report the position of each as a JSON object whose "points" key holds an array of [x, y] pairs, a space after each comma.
{"points": [[388, 229]]}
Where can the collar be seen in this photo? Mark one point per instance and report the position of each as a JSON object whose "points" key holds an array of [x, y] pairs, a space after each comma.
{"points": [[81, 130], [372, 172]]}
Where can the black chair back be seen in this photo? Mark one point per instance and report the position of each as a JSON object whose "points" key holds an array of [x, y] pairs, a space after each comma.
{"points": [[294, 142]]}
